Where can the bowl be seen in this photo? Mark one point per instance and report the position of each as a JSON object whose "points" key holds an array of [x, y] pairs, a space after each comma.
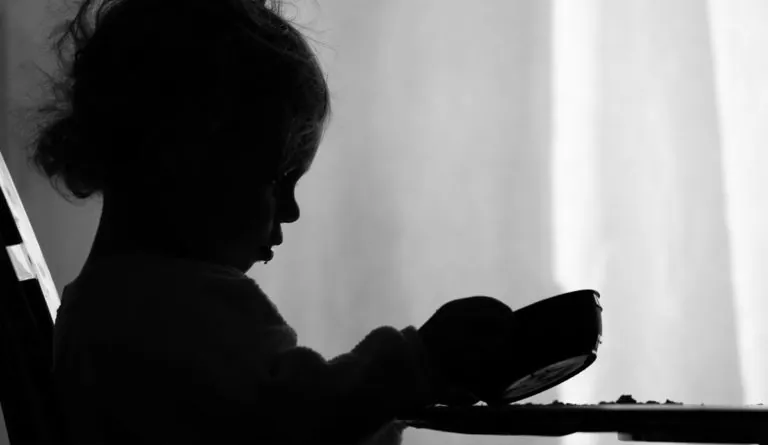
{"points": [[560, 337]]}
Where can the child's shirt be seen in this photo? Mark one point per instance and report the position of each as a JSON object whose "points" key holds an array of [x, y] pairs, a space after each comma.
{"points": [[154, 349]]}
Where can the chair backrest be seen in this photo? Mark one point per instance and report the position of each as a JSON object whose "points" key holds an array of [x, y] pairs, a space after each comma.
{"points": [[28, 303]]}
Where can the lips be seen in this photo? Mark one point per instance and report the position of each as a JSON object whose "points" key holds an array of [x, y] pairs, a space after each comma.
{"points": [[267, 254]]}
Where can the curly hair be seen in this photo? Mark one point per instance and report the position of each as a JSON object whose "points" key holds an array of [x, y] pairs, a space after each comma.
{"points": [[152, 92]]}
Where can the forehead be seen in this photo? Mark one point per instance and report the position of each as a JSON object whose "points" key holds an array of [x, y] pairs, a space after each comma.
{"points": [[301, 146]]}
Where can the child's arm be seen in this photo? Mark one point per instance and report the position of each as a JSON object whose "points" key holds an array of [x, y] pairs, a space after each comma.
{"points": [[306, 399], [233, 376]]}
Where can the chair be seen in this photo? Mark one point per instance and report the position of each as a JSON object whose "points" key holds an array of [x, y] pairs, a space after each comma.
{"points": [[28, 300]]}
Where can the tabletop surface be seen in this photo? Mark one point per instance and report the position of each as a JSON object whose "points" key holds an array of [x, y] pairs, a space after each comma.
{"points": [[664, 422]]}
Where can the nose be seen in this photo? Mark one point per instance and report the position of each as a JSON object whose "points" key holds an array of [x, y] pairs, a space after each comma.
{"points": [[288, 210]]}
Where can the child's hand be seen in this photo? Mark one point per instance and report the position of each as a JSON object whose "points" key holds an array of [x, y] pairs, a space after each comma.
{"points": [[471, 344]]}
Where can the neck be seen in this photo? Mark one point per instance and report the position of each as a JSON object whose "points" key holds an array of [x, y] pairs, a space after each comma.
{"points": [[126, 229], [123, 231]]}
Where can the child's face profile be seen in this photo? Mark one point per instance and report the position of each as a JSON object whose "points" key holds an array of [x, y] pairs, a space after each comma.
{"points": [[275, 204], [244, 223]]}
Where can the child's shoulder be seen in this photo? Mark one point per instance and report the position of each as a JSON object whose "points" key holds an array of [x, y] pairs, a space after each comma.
{"points": [[139, 282], [155, 271], [157, 265], [179, 311]]}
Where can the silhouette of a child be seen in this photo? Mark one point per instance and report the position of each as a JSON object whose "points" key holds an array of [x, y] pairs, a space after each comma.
{"points": [[194, 120]]}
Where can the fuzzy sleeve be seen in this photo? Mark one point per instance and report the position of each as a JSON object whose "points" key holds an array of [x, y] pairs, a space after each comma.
{"points": [[308, 399], [230, 370]]}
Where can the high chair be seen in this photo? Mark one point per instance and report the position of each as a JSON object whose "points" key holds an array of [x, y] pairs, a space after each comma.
{"points": [[28, 302]]}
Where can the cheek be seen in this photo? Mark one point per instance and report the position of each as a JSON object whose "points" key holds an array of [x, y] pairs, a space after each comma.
{"points": [[249, 216], [261, 214], [250, 228], [265, 208]]}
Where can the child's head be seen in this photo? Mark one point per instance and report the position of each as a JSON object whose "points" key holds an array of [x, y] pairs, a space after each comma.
{"points": [[184, 109]]}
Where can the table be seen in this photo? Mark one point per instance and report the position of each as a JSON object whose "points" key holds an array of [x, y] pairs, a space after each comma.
{"points": [[632, 422]]}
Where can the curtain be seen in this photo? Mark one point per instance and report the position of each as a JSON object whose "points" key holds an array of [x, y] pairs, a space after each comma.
{"points": [[518, 149], [659, 194]]}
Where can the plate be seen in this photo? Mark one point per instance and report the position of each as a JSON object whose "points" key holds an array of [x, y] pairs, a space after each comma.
{"points": [[560, 337]]}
